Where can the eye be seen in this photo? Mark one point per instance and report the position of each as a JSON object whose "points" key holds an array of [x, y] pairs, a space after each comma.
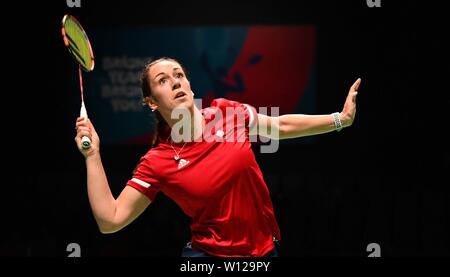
{"points": [[179, 75], [162, 81]]}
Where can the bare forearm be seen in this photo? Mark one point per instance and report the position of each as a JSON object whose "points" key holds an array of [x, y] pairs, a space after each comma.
{"points": [[299, 125], [102, 202]]}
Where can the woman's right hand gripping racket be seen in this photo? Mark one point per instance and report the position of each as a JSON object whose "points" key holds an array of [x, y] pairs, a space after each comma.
{"points": [[77, 42]]}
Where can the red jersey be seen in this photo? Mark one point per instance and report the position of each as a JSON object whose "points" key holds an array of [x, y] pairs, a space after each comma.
{"points": [[217, 183]]}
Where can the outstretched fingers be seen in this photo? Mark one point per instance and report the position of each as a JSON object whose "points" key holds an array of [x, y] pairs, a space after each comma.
{"points": [[355, 86], [354, 90]]}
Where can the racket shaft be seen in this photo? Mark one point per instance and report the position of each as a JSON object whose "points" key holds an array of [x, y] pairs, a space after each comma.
{"points": [[85, 141]]}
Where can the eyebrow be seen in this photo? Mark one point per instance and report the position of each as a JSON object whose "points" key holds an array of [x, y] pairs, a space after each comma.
{"points": [[162, 73]]}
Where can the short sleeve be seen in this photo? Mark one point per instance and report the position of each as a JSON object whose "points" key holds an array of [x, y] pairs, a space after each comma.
{"points": [[144, 178], [249, 112]]}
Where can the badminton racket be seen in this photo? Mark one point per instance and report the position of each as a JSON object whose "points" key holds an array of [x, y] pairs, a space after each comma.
{"points": [[77, 42]]}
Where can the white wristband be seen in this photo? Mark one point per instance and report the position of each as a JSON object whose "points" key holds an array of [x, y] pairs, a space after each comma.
{"points": [[337, 121]]}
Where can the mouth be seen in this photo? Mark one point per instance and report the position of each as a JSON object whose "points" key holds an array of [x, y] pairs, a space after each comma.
{"points": [[180, 94]]}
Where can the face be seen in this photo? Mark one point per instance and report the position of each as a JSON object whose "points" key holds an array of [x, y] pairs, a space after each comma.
{"points": [[170, 87]]}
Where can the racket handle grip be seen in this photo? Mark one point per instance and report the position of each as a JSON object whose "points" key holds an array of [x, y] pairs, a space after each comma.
{"points": [[85, 141]]}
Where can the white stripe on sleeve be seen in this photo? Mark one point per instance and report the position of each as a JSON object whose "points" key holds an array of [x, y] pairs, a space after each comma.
{"points": [[140, 182], [251, 115]]}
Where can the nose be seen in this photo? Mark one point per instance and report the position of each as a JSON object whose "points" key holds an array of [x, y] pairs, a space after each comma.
{"points": [[176, 84]]}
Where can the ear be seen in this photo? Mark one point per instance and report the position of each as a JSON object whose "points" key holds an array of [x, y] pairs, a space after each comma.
{"points": [[151, 103]]}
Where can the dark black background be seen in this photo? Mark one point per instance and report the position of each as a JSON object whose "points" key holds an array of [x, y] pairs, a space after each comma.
{"points": [[383, 180]]}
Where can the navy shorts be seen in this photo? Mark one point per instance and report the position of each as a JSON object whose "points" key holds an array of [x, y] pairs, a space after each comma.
{"points": [[188, 251]]}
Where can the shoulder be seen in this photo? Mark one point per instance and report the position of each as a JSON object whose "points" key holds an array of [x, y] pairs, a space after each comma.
{"points": [[223, 102], [237, 108], [153, 155]]}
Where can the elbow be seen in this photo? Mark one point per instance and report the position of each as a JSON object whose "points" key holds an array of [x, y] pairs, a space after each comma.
{"points": [[106, 231], [283, 129], [108, 228]]}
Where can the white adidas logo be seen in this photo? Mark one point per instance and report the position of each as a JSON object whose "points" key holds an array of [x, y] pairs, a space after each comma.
{"points": [[182, 163]]}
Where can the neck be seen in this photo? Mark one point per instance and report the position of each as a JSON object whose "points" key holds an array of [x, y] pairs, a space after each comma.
{"points": [[189, 127]]}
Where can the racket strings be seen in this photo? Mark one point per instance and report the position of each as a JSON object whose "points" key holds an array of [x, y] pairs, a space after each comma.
{"points": [[78, 43]]}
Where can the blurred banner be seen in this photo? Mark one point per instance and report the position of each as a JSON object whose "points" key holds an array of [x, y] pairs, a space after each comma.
{"points": [[264, 66]]}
